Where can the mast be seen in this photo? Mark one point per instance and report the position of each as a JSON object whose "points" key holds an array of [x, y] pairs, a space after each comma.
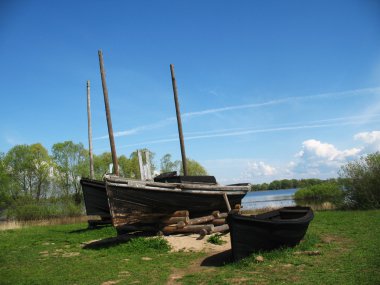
{"points": [[90, 131], [108, 114], [179, 122]]}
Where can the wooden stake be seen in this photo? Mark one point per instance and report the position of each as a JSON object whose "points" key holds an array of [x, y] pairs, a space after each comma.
{"points": [[89, 131], [227, 202], [108, 114], [179, 122], [141, 165]]}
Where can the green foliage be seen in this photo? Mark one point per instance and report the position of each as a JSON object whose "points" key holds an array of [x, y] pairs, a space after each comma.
{"points": [[361, 179], [193, 168], [71, 162], [167, 165], [29, 168], [5, 196], [216, 239], [325, 192], [145, 244], [24, 209], [288, 184]]}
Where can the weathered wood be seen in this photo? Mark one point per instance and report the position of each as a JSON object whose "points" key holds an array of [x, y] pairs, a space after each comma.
{"points": [[141, 165], [201, 220], [175, 220], [219, 215], [147, 165], [108, 114], [222, 228], [216, 214], [179, 122], [218, 222], [90, 131], [181, 213], [187, 229], [181, 224], [227, 202]]}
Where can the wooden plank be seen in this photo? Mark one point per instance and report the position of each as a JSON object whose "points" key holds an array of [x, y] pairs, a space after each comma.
{"points": [[222, 228], [187, 229], [201, 220], [218, 222]]}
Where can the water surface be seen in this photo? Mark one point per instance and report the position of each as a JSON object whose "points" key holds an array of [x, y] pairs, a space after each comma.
{"points": [[269, 199]]}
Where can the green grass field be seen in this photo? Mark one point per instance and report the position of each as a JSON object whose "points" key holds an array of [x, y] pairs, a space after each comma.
{"points": [[347, 246]]}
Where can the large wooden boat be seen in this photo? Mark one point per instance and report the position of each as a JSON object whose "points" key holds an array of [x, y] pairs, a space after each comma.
{"points": [[96, 201], [138, 204], [284, 227]]}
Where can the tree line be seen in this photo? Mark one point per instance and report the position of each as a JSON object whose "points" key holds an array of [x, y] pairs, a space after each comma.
{"points": [[290, 184], [29, 171]]}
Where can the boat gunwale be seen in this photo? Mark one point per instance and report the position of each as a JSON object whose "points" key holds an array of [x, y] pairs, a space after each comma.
{"points": [[309, 215], [141, 187]]}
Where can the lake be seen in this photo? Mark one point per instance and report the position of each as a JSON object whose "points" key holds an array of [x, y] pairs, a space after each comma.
{"points": [[269, 199]]}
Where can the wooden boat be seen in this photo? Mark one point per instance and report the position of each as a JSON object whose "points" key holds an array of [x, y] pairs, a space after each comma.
{"points": [[96, 201], [141, 204], [284, 227]]}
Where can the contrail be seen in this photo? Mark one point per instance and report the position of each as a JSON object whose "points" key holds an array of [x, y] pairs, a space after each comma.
{"points": [[342, 121], [159, 124]]}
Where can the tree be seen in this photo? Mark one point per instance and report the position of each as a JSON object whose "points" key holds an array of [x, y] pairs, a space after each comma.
{"points": [[5, 196], [193, 168], [29, 168], [41, 169], [71, 163], [167, 165], [101, 164], [18, 162], [361, 179]]}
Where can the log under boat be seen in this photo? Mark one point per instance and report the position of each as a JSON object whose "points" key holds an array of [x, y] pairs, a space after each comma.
{"points": [[142, 203], [284, 227], [96, 201]]}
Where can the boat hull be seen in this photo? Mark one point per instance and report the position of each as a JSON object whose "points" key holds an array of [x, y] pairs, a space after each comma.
{"points": [[95, 198], [284, 227], [141, 203]]}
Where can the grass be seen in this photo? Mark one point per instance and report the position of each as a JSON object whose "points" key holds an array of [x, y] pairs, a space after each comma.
{"points": [[216, 239], [347, 246]]}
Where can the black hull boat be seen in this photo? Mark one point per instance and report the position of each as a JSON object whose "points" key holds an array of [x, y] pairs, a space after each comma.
{"points": [[146, 203], [284, 227], [96, 201]]}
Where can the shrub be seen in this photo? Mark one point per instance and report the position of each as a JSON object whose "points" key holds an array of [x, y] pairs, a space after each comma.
{"points": [[216, 239], [325, 192], [361, 179], [27, 209]]}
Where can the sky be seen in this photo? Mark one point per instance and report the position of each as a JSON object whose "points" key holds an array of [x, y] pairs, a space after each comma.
{"points": [[267, 89]]}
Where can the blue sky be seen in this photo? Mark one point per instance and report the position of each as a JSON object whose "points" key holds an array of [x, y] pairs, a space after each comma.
{"points": [[268, 89]]}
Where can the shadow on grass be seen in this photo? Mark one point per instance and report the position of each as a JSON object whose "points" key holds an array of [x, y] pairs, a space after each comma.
{"points": [[114, 241], [219, 259], [88, 229]]}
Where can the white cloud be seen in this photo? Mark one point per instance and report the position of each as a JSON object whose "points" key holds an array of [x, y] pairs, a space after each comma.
{"points": [[371, 140], [316, 150], [260, 169]]}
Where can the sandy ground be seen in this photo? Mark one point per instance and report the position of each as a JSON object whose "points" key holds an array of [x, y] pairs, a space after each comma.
{"points": [[191, 242]]}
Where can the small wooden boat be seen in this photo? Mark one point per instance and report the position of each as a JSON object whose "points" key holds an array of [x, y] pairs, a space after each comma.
{"points": [[146, 203], [284, 227], [96, 201]]}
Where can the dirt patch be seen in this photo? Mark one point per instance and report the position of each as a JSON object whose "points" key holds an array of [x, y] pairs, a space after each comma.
{"points": [[179, 273], [190, 243], [193, 243], [111, 282]]}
